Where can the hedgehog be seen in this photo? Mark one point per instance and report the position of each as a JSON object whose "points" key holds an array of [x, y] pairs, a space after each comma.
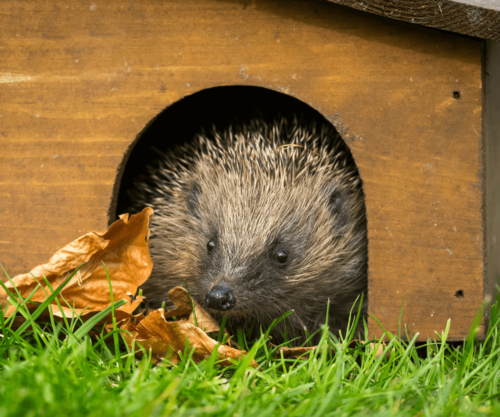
{"points": [[259, 219]]}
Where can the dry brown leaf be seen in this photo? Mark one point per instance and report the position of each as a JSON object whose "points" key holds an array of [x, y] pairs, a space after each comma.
{"points": [[301, 352], [294, 353], [166, 339], [123, 248], [120, 315], [380, 348], [180, 297], [380, 351]]}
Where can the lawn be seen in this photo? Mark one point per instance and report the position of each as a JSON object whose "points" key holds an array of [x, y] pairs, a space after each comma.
{"points": [[56, 368]]}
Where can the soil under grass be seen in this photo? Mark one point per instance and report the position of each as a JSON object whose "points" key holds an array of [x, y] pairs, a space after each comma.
{"points": [[56, 369]]}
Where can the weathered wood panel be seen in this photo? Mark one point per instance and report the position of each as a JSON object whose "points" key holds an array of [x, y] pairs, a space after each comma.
{"points": [[480, 18], [492, 163], [79, 81]]}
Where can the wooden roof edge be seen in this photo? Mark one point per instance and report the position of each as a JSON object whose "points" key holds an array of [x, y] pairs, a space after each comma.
{"points": [[478, 18]]}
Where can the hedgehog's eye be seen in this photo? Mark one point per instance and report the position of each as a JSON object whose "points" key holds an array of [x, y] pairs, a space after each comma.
{"points": [[282, 257], [210, 246]]}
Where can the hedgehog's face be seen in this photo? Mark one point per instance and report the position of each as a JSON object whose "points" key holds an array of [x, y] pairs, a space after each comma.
{"points": [[263, 250]]}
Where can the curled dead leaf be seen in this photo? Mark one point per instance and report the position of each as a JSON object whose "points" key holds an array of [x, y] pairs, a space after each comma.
{"points": [[168, 339], [377, 348], [123, 248], [380, 350], [180, 297], [302, 352], [294, 353]]}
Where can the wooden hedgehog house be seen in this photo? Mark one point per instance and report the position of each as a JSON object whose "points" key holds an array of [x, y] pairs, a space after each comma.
{"points": [[89, 89]]}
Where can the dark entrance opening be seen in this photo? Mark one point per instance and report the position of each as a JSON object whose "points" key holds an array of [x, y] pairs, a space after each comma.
{"points": [[180, 122]]}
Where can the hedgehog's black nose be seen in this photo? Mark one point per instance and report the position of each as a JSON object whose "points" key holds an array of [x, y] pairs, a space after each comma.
{"points": [[220, 298]]}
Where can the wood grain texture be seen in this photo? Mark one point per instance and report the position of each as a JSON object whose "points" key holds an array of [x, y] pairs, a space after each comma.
{"points": [[79, 81], [492, 162], [479, 18]]}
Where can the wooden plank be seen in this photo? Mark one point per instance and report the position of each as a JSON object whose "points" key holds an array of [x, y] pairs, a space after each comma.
{"points": [[492, 158], [79, 81], [479, 18]]}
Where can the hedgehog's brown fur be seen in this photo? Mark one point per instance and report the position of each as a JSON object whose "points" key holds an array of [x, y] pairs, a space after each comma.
{"points": [[255, 190]]}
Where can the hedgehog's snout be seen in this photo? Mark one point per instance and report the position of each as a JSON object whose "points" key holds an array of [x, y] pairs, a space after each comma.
{"points": [[220, 298]]}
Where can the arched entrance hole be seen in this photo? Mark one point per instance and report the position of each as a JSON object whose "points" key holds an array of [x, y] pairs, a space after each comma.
{"points": [[178, 123], [343, 273]]}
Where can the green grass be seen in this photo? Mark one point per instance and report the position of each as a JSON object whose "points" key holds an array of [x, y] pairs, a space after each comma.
{"points": [[57, 369]]}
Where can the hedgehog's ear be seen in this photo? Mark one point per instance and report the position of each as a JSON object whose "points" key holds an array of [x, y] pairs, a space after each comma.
{"points": [[338, 202], [194, 200]]}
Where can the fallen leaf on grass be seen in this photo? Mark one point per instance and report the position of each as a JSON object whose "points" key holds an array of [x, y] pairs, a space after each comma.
{"points": [[380, 348], [380, 351], [168, 339], [180, 297], [302, 352], [123, 248], [294, 353]]}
